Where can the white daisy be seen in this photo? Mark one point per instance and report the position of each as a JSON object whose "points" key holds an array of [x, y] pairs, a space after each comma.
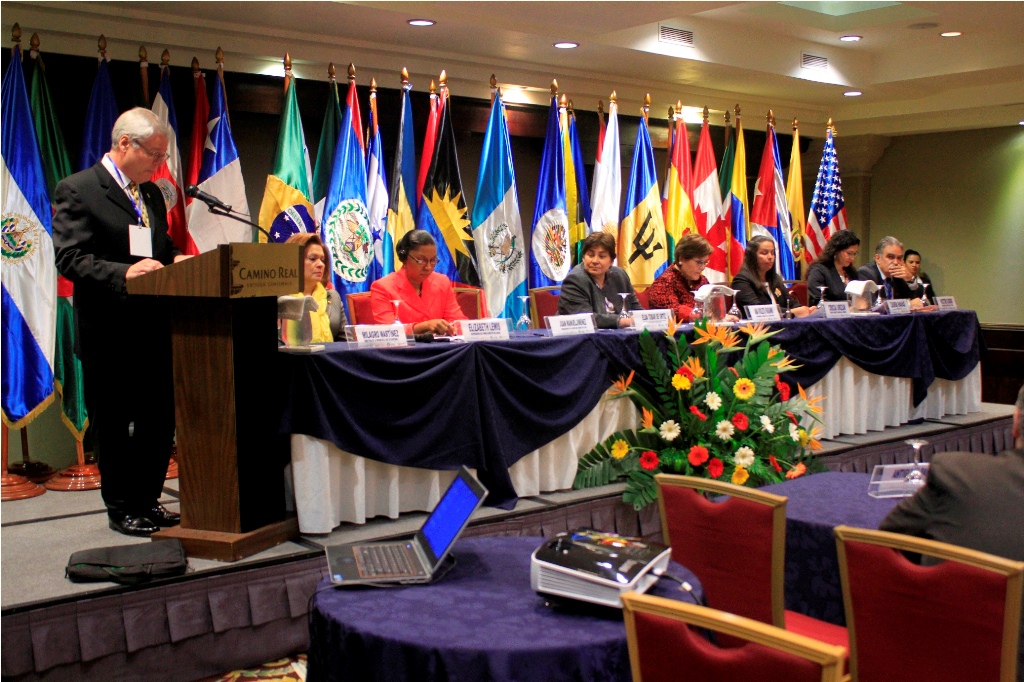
{"points": [[725, 429], [744, 457], [767, 424], [712, 401], [669, 430], [794, 432]]}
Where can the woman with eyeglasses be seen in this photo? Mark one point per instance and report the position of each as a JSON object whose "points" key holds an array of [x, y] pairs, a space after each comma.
{"points": [[833, 269], [758, 283], [595, 285], [426, 300], [328, 319], [675, 287]]}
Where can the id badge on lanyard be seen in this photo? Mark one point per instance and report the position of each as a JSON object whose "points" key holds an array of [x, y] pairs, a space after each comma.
{"points": [[140, 237]]}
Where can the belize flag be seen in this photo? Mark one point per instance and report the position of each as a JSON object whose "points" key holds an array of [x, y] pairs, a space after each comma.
{"points": [[221, 176], [769, 214], [606, 192], [168, 176], [550, 239], [376, 189], [497, 226], [642, 243], [29, 274], [402, 202]]}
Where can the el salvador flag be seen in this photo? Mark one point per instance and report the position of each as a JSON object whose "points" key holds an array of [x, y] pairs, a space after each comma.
{"points": [[376, 193], [29, 274], [550, 240], [497, 226]]}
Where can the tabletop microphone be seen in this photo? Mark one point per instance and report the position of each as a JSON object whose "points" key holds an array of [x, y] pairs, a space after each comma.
{"points": [[208, 199]]}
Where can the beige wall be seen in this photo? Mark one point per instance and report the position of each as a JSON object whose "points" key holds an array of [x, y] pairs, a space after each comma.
{"points": [[958, 198]]}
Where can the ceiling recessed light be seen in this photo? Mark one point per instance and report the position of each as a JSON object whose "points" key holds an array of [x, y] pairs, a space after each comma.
{"points": [[951, 34], [566, 45], [853, 93], [421, 22], [1022, 123], [850, 39]]}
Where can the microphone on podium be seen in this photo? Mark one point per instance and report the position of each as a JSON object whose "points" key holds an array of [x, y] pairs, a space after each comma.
{"points": [[208, 199]]}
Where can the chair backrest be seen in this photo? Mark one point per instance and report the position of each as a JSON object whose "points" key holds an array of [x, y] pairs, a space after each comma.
{"points": [[664, 642], [799, 291], [360, 311], [472, 300], [957, 620], [642, 296], [543, 302], [737, 546]]}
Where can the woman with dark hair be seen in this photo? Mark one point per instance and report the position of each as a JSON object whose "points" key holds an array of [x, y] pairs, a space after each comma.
{"points": [[594, 285], [833, 268], [757, 282], [328, 319], [427, 303], [675, 287], [912, 261]]}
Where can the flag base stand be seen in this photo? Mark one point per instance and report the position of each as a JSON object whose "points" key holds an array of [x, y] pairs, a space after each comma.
{"points": [[37, 472], [18, 488], [221, 546], [76, 477]]}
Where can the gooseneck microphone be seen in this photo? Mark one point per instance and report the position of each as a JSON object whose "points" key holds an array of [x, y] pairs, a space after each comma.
{"points": [[208, 199]]}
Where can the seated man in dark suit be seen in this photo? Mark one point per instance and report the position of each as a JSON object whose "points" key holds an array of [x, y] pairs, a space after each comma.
{"points": [[972, 500], [888, 271]]}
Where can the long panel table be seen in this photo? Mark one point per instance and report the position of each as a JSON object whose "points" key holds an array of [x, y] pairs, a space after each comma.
{"points": [[381, 431]]}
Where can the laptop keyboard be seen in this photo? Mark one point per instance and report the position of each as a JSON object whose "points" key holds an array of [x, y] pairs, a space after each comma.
{"points": [[385, 561]]}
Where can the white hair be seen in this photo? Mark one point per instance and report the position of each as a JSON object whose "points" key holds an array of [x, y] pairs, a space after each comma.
{"points": [[138, 124]]}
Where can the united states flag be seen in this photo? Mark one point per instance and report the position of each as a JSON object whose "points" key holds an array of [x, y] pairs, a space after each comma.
{"points": [[828, 211]]}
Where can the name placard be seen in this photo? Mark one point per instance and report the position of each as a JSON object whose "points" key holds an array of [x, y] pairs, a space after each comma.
{"points": [[763, 313], [946, 302], [837, 309], [898, 306], [571, 325], [380, 335], [487, 329], [655, 320]]}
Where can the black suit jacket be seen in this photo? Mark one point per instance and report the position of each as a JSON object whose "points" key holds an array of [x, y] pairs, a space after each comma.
{"points": [[579, 294], [900, 288], [822, 275], [751, 292], [90, 236]]}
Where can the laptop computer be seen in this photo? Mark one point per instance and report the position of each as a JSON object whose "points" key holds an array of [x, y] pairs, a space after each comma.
{"points": [[410, 561]]}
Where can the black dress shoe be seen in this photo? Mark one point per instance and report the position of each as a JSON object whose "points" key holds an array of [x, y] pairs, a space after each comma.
{"points": [[162, 517], [132, 525]]}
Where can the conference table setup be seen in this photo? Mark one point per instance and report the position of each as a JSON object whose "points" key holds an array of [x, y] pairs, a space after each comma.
{"points": [[380, 432]]}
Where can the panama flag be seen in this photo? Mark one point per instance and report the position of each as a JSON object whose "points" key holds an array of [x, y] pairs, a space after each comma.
{"points": [[168, 176], [679, 186], [550, 239], [221, 176], [770, 215], [577, 199], [828, 210], [287, 206], [497, 225], [606, 192], [707, 206], [376, 189], [29, 274], [795, 202], [738, 209], [642, 243], [345, 229], [325, 152], [402, 201]]}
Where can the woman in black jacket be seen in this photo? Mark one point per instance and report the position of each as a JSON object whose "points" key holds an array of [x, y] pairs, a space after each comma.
{"points": [[833, 269], [758, 283]]}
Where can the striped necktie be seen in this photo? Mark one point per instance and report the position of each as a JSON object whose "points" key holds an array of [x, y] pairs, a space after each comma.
{"points": [[133, 189]]}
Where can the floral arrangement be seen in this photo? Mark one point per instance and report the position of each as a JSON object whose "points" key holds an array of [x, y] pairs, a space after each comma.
{"points": [[736, 422]]}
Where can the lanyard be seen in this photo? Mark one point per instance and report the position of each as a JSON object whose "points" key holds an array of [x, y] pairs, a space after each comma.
{"points": [[124, 182]]}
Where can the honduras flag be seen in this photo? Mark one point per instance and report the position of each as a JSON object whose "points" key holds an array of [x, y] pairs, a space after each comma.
{"points": [[550, 242], [29, 274], [346, 225], [497, 226], [99, 119], [402, 202], [376, 190], [643, 245]]}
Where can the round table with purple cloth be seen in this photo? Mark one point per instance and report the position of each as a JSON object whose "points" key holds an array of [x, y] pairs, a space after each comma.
{"points": [[481, 621]]}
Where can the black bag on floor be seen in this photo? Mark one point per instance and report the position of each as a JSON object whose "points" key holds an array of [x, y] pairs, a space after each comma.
{"points": [[128, 564]]}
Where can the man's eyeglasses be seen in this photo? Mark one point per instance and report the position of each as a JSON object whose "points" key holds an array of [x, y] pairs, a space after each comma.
{"points": [[431, 262], [156, 156]]}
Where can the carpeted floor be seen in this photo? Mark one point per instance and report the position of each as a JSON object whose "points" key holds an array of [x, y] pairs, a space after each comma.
{"points": [[291, 669]]}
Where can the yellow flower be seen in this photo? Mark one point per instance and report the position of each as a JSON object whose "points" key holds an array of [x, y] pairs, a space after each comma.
{"points": [[620, 449], [813, 404], [809, 440], [622, 384], [743, 389], [647, 418], [680, 383], [720, 333], [740, 476], [693, 364]]}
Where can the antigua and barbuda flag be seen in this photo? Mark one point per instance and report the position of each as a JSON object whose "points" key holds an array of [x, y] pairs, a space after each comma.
{"points": [[795, 202], [642, 243], [443, 212], [402, 202], [497, 225], [679, 185], [769, 214], [221, 176], [737, 208], [606, 191], [708, 211], [577, 198], [345, 229], [827, 212], [99, 119], [549, 242], [376, 188], [29, 275], [168, 177], [329, 133], [287, 206]]}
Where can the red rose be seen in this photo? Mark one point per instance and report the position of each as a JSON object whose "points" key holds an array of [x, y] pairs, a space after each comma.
{"points": [[698, 455], [739, 420], [649, 460], [775, 463], [700, 415], [715, 467]]}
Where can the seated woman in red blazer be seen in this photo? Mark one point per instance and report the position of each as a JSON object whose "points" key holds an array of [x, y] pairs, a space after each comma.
{"points": [[427, 302]]}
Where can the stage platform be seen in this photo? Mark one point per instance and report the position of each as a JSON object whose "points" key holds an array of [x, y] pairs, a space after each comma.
{"points": [[221, 617]]}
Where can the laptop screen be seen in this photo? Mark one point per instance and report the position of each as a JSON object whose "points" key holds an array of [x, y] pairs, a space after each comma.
{"points": [[451, 515]]}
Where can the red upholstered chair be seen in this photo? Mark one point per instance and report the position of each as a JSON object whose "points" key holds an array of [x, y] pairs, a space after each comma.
{"points": [[664, 645], [543, 302], [799, 291], [359, 309], [737, 548], [641, 295], [472, 300], [957, 620]]}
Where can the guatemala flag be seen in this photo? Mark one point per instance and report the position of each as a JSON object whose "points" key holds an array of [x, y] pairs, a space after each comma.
{"points": [[550, 242], [402, 203], [29, 274], [376, 189], [643, 244], [497, 226]]}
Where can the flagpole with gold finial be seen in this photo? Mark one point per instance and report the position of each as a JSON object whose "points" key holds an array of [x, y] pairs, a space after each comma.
{"points": [[15, 36], [33, 46], [287, 70], [494, 87], [219, 55], [771, 118], [443, 85], [144, 72], [102, 45], [370, 128], [646, 108]]}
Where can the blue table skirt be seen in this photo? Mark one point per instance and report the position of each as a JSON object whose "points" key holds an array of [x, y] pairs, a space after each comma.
{"points": [[480, 622], [488, 404]]}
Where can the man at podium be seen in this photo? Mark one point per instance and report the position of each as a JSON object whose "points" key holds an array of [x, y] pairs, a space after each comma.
{"points": [[110, 226]]}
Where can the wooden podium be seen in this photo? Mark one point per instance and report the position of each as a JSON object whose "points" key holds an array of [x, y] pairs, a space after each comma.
{"points": [[223, 306]]}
